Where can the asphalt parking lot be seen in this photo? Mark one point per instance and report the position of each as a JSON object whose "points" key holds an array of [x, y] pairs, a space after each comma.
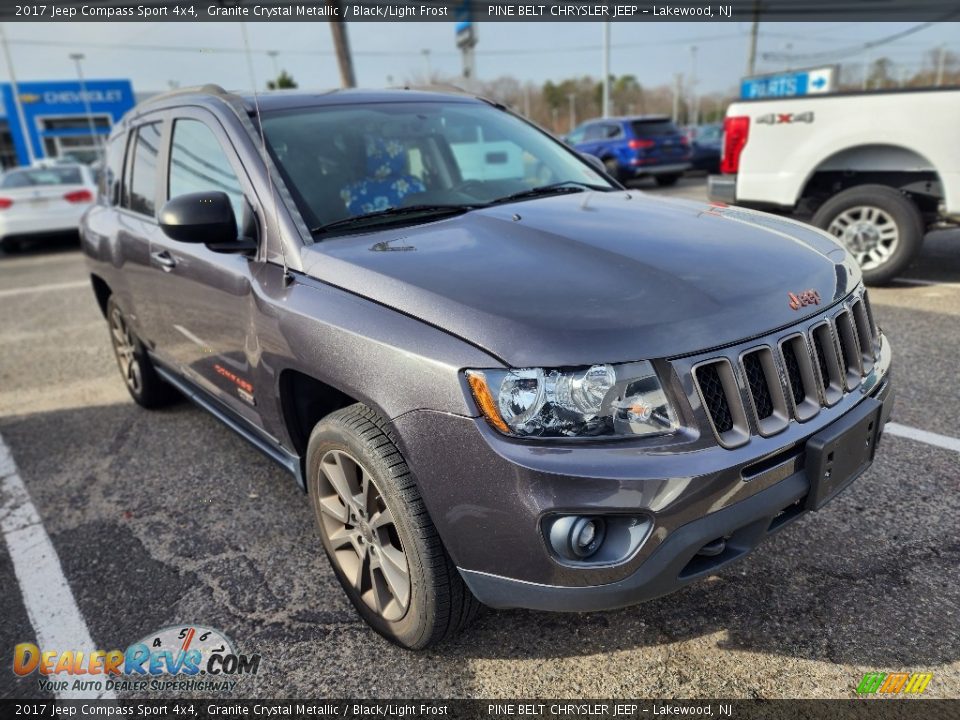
{"points": [[167, 518]]}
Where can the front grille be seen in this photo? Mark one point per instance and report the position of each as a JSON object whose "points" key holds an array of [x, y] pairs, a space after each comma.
{"points": [[790, 377], [715, 398]]}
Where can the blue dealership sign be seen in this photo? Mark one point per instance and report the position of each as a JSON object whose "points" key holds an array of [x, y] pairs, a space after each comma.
{"points": [[47, 104], [789, 84]]}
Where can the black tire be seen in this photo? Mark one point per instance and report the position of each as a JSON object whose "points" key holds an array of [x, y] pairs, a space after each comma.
{"points": [[140, 377], [897, 206], [438, 603], [10, 246], [667, 180]]}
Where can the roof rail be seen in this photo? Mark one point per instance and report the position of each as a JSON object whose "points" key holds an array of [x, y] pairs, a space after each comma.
{"points": [[208, 89]]}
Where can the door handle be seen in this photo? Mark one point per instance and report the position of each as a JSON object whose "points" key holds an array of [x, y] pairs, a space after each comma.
{"points": [[164, 260]]}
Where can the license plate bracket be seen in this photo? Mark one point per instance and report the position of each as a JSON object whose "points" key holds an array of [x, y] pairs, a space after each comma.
{"points": [[840, 453]]}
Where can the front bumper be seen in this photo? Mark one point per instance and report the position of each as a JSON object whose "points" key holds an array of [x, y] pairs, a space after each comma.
{"points": [[677, 561]]}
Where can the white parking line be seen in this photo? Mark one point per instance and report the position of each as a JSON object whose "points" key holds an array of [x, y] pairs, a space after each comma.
{"points": [[50, 605], [935, 439], [9, 292]]}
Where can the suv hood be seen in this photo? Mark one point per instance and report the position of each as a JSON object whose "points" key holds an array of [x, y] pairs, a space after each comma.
{"points": [[593, 277]]}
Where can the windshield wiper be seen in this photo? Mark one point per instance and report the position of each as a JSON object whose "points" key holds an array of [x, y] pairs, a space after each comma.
{"points": [[394, 212], [558, 188]]}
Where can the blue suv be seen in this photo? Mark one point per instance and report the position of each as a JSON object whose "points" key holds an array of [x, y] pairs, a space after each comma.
{"points": [[638, 146]]}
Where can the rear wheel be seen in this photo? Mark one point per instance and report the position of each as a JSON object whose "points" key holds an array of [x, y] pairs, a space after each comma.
{"points": [[10, 245], [143, 383], [613, 170], [880, 226], [377, 535], [667, 180]]}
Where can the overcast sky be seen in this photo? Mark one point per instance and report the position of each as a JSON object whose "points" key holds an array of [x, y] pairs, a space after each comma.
{"points": [[384, 52]]}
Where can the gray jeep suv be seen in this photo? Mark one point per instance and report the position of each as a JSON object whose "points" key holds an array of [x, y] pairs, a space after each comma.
{"points": [[499, 376]]}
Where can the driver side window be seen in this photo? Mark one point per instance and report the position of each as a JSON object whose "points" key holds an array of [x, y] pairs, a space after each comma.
{"points": [[199, 164]]}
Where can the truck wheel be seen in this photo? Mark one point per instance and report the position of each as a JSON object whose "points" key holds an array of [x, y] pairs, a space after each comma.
{"points": [[880, 226], [379, 540], [143, 383], [10, 245], [667, 180]]}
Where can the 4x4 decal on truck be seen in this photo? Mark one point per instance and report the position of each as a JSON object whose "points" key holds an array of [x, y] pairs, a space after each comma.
{"points": [[785, 118]]}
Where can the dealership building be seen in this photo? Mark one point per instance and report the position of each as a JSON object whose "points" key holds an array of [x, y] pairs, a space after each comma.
{"points": [[61, 119]]}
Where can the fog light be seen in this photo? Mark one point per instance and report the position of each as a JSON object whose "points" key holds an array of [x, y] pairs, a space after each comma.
{"points": [[576, 537]]}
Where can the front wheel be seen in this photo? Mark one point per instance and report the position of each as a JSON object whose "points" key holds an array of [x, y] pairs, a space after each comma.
{"points": [[880, 226], [377, 534]]}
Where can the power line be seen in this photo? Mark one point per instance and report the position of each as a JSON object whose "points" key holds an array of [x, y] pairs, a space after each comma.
{"points": [[844, 52]]}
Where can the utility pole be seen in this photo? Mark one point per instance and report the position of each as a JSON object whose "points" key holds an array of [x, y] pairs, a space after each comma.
{"points": [[272, 54], [606, 69], [572, 97], [342, 46], [941, 61], [677, 84], [526, 101], [15, 90], [754, 31]]}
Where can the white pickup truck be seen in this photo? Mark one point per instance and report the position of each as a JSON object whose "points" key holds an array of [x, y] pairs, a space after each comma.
{"points": [[875, 169]]}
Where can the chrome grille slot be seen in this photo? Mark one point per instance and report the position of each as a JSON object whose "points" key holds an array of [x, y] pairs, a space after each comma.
{"points": [[721, 398], [804, 389], [864, 334], [766, 391], [850, 353], [831, 376], [874, 331]]}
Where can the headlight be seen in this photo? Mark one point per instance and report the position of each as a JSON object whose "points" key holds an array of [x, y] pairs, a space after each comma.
{"points": [[597, 401]]}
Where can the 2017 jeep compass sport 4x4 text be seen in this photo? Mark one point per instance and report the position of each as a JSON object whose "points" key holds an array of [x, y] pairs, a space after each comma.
{"points": [[500, 377]]}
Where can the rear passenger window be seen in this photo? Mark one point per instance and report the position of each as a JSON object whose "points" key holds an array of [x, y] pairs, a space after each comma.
{"points": [[199, 164], [142, 185]]}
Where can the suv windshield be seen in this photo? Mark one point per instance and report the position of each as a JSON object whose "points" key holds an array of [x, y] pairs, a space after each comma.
{"points": [[344, 162]]}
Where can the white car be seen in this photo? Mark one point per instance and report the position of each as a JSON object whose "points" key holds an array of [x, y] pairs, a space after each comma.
{"points": [[43, 200]]}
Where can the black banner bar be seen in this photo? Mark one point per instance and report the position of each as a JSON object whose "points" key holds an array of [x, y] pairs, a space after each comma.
{"points": [[503, 11]]}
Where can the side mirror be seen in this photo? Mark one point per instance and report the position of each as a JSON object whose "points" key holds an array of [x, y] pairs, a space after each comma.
{"points": [[203, 217], [596, 162]]}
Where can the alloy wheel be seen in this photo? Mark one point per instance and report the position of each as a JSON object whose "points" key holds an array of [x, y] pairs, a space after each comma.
{"points": [[124, 347], [870, 234], [362, 534]]}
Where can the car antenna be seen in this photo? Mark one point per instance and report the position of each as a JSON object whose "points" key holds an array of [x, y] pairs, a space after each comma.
{"points": [[287, 276]]}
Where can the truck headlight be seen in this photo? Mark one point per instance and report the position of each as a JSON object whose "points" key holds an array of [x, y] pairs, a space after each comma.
{"points": [[595, 401]]}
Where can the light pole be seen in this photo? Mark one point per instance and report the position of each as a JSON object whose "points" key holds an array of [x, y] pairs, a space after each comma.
{"points": [[15, 91], [272, 54], [572, 97], [77, 58]]}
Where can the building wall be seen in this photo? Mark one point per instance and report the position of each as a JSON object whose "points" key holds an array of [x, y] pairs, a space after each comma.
{"points": [[49, 107]]}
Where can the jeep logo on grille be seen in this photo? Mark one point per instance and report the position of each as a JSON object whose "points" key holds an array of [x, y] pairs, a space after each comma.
{"points": [[807, 297]]}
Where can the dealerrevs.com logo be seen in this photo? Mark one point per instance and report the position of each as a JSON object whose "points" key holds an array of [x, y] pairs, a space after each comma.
{"points": [[179, 658]]}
